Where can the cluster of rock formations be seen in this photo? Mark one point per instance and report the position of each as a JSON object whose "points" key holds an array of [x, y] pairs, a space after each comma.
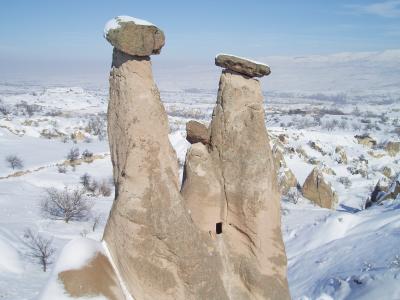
{"points": [[216, 237]]}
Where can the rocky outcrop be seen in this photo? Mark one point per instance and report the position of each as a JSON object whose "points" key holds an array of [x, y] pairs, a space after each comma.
{"points": [[392, 148], [197, 132], [279, 159], [242, 65], [388, 171], [134, 36], [317, 147], [341, 156], [383, 191], [319, 191], [286, 180], [366, 140]]}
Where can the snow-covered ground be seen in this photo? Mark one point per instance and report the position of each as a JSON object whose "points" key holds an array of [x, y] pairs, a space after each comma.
{"points": [[347, 253]]}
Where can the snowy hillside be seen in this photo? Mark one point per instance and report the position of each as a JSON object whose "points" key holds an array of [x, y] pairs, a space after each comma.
{"points": [[347, 253]]}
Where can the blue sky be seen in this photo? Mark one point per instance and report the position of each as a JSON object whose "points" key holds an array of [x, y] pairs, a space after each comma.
{"points": [[39, 31]]}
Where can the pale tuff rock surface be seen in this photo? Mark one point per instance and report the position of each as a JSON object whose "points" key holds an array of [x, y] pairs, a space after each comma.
{"points": [[84, 271], [252, 233], [156, 247], [319, 191], [97, 278], [134, 36], [286, 178], [217, 238], [341, 156], [254, 260], [242, 65], [202, 188], [392, 148], [366, 140], [197, 132]]}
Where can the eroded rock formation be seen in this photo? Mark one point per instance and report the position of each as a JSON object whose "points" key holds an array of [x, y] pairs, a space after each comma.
{"points": [[197, 132], [219, 236], [318, 190]]}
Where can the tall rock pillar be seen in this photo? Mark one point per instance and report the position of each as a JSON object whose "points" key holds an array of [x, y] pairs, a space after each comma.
{"points": [[245, 198], [156, 247]]}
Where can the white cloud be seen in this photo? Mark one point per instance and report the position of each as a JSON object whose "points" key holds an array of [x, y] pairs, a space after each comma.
{"points": [[387, 9]]}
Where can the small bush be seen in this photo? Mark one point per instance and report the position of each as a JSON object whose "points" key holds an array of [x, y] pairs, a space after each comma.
{"points": [[345, 181], [87, 154], [66, 204], [293, 195], [14, 162], [73, 154], [96, 126], [62, 169], [85, 181], [104, 188]]}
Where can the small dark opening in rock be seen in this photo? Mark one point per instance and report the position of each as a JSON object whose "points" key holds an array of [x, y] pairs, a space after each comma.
{"points": [[218, 228]]}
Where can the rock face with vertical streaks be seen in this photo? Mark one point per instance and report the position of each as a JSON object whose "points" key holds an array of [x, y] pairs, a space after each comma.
{"points": [[318, 190], [158, 250], [216, 237]]}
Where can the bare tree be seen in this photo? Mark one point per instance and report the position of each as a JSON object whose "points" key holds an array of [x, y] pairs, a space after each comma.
{"points": [[97, 218], [14, 162], [62, 169], [85, 181], [87, 154], [66, 204], [73, 154], [39, 247], [104, 188]]}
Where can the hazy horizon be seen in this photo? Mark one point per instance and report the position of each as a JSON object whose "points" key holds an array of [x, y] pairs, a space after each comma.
{"points": [[58, 37]]}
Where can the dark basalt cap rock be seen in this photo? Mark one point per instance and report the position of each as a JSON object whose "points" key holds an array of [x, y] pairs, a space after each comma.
{"points": [[134, 36], [242, 65]]}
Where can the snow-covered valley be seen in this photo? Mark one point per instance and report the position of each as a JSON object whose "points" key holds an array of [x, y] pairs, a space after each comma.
{"points": [[347, 253]]}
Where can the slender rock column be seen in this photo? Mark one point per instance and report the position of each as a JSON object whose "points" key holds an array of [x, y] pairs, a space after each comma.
{"points": [[154, 244], [245, 197]]}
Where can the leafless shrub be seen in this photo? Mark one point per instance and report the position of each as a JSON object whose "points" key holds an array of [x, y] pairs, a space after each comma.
{"points": [[87, 154], [5, 110], [345, 181], [54, 113], [66, 204], [96, 126], [343, 124], [14, 162], [73, 154], [356, 126], [330, 125], [293, 195], [85, 180], [356, 111], [97, 218], [40, 248], [62, 169], [104, 188]]}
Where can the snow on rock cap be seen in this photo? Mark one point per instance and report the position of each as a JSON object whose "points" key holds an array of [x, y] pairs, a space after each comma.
{"points": [[134, 36], [242, 65]]}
